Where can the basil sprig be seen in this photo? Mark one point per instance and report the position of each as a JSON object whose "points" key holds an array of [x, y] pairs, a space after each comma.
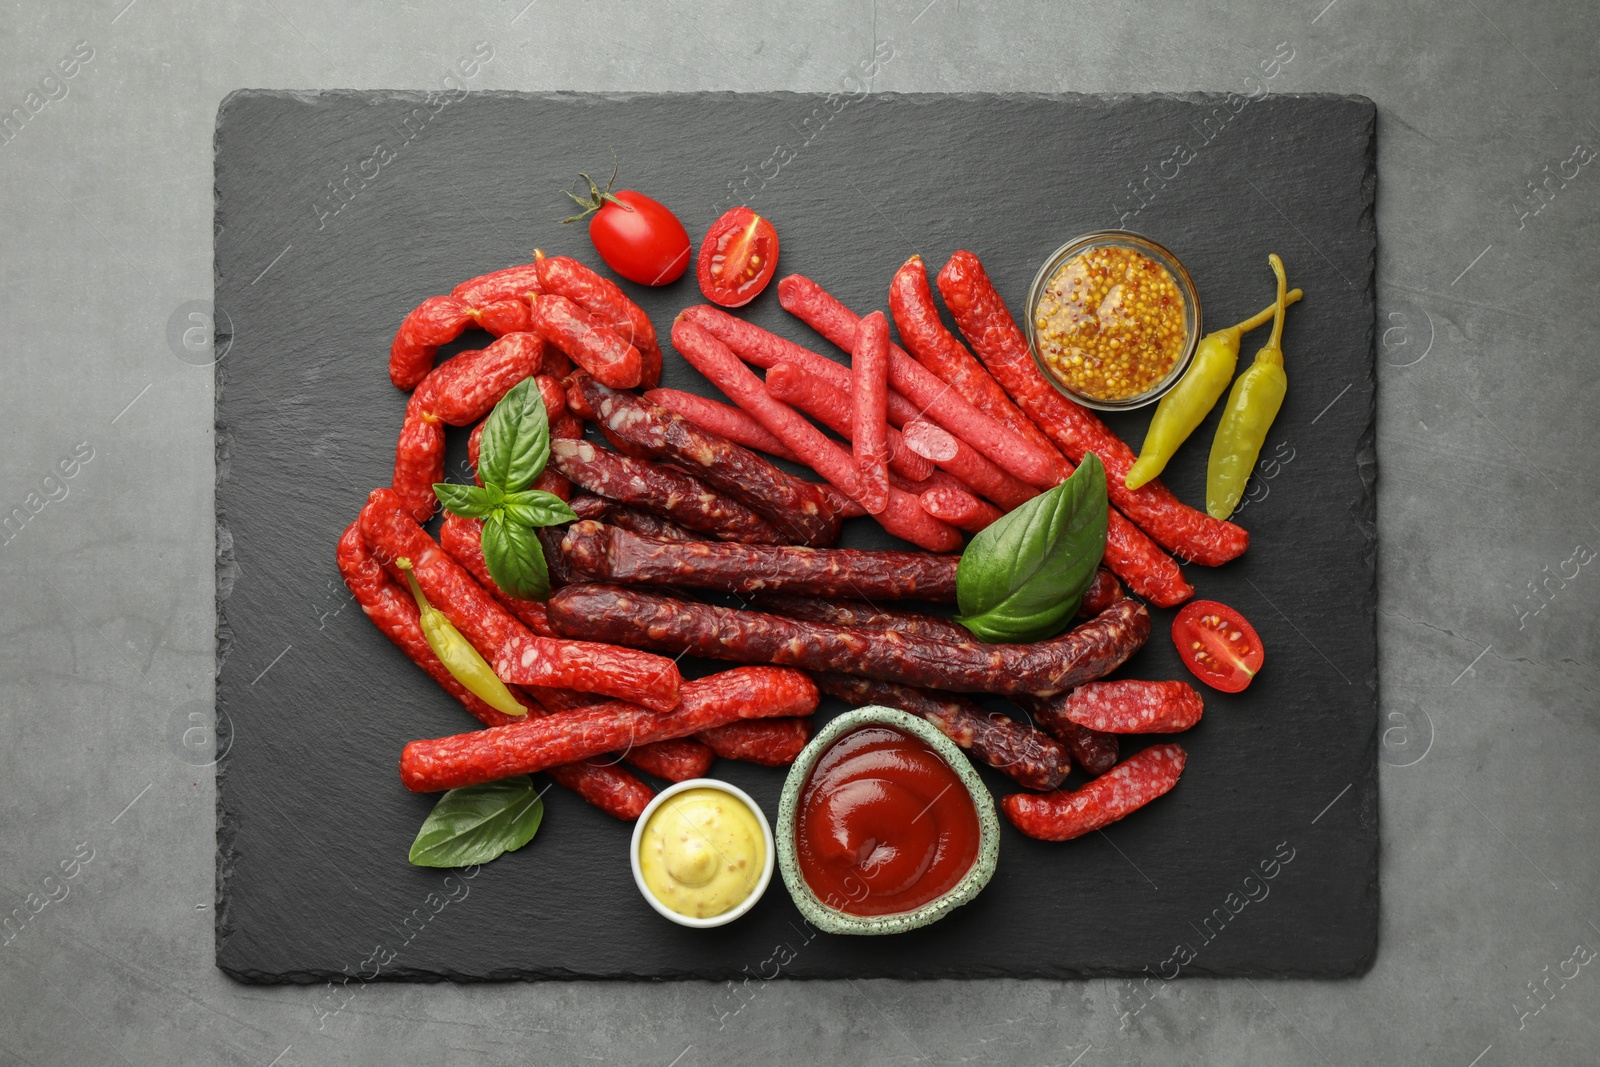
{"points": [[513, 452], [1021, 579], [478, 823]]}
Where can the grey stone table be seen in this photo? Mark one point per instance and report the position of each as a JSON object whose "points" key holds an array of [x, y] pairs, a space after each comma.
{"points": [[1489, 582]]}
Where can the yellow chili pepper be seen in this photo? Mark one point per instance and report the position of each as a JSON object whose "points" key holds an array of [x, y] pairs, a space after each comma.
{"points": [[457, 653], [1253, 404], [1186, 405]]}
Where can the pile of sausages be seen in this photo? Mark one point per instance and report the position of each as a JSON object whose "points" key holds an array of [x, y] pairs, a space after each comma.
{"points": [[683, 509]]}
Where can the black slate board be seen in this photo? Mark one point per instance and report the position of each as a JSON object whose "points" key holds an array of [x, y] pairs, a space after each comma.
{"points": [[313, 825]]}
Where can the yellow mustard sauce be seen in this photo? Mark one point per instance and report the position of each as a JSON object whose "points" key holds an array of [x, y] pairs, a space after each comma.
{"points": [[702, 852]]}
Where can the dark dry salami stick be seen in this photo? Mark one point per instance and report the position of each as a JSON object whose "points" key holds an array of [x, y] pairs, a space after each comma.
{"points": [[661, 489], [644, 620], [605, 553], [609, 788], [863, 616], [1015, 749], [634, 520], [591, 668], [521, 748], [994, 336], [1095, 752], [769, 742], [794, 506], [1127, 787]]}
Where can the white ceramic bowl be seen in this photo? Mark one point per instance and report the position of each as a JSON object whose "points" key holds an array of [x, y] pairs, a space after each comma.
{"points": [[766, 868]]}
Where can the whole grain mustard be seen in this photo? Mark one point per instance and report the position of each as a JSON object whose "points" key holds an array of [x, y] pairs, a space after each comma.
{"points": [[1110, 323]]}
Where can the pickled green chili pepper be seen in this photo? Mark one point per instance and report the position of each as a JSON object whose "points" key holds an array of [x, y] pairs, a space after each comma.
{"points": [[1253, 404], [457, 653], [1188, 403]]}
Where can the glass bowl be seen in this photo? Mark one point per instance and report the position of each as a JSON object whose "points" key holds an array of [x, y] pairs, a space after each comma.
{"points": [[1138, 243]]}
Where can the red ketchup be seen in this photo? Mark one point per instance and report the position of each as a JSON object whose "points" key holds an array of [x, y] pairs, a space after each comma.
{"points": [[885, 825]]}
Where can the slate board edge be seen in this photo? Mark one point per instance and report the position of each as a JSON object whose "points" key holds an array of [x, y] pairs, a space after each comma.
{"points": [[1364, 510]]}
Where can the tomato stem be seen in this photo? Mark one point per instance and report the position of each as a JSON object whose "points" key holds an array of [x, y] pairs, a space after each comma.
{"points": [[597, 198]]}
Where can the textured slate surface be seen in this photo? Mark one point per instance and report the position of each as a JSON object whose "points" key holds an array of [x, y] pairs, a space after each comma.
{"points": [[312, 823]]}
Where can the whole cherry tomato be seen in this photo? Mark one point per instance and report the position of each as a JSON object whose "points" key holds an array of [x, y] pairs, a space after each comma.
{"points": [[637, 236], [738, 258], [1218, 645]]}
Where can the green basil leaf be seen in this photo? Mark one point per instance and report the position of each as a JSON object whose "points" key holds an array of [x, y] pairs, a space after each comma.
{"points": [[534, 507], [468, 501], [515, 558], [516, 439], [1021, 579], [478, 823]]}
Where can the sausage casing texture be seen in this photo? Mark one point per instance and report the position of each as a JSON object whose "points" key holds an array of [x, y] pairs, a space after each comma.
{"points": [[769, 742], [1134, 706], [605, 300], [1127, 787], [1017, 750], [609, 788], [795, 507], [505, 284], [662, 489], [591, 668], [418, 462], [467, 386], [521, 748], [606, 553], [613, 613], [862, 616], [988, 327], [437, 320], [591, 344], [1092, 750]]}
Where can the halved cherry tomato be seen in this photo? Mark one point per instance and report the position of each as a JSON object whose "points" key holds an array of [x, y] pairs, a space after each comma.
{"points": [[738, 258], [1217, 644], [637, 236]]}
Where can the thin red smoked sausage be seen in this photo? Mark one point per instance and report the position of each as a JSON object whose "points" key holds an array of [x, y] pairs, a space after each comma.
{"points": [[1127, 787], [834, 409], [757, 346], [522, 748], [593, 345], [817, 308], [505, 284], [1131, 706], [869, 398], [437, 320], [603, 299], [418, 461], [1091, 651], [769, 742], [609, 788], [590, 668], [994, 336]]}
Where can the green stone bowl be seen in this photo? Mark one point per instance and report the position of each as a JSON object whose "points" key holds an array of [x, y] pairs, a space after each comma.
{"points": [[832, 920]]}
